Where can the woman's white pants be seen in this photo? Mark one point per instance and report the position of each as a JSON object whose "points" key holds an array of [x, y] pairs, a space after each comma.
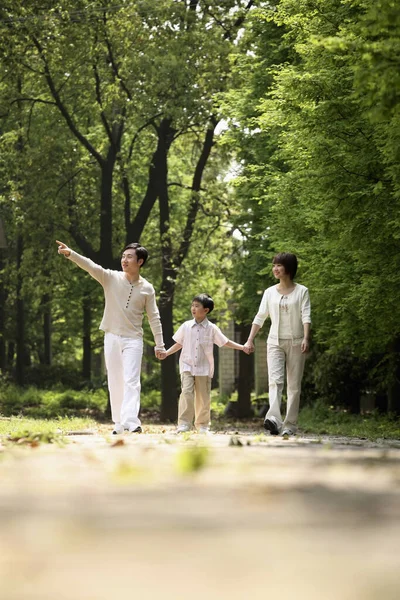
{"points": [[123, 358], [278, 356]]}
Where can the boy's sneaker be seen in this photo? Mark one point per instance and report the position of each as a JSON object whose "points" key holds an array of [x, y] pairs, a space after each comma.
{"points": [[271, 426], [203, 430], [287, 432], [118, 428], [182, 428]]}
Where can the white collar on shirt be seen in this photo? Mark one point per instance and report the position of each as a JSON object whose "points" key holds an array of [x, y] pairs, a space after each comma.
{"points": [[204, 322]]}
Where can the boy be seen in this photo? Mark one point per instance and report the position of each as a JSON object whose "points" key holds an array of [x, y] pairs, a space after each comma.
{"points": [[196, 364]]}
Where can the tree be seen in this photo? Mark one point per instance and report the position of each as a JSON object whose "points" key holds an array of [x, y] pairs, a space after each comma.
{"points": [[331, 196], [126, 82]]}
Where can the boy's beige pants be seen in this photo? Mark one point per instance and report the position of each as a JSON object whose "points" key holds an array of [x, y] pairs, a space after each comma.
{"points": [[195, 400]]}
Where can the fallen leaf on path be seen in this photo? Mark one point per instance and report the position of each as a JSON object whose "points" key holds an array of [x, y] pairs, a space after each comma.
{"points": [[118, 443]]}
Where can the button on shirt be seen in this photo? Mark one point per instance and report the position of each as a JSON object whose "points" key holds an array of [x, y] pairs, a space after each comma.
{"points": [[197, 341]]}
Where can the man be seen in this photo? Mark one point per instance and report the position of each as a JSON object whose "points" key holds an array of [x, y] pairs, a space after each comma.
{"points": [[127, 295]]}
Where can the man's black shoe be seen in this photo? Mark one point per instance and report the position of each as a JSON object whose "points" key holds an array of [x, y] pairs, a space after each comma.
{"points": [[271, 426], [137, 430]]}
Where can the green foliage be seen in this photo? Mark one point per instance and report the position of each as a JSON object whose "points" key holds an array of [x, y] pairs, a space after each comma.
{"points": [[85, 91], [323, 419], [58, 375], [320, 175], [192, 459], [41, 404], [150, 400]]}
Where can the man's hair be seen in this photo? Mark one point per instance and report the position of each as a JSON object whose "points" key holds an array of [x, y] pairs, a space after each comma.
{"points": [[289, 261], [205, 300], [141, 252]]}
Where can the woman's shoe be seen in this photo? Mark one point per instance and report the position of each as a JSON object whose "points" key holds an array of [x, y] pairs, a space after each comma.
{"points": [[271, 426]]}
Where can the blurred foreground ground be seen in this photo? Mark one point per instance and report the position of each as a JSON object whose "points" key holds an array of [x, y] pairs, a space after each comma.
{"points": [[305, 518]]}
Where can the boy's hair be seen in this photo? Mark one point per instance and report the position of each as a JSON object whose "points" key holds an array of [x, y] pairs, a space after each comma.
{"points": [[205, 300], [141, 252], [289, 261]]}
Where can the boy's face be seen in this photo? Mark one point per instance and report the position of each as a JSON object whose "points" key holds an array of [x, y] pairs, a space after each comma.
{"points": [[198, 311]]}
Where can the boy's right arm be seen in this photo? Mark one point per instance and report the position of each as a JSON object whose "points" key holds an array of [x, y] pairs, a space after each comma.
{"points": [[235, 346], [96, 271], [171, 350]]}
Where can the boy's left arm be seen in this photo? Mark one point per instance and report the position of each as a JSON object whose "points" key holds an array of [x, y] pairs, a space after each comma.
{"points": [[221, 340]]}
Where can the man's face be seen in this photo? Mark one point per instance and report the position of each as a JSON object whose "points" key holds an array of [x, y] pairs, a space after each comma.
{"points": [[198, 311], [129, 262]]}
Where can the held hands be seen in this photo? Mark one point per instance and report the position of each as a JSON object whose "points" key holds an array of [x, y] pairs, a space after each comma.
{"points": [[63, 248], [248, 347], [160, 354]]}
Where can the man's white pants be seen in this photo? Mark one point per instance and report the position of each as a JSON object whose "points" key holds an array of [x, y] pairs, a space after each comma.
{"points": [[277, 356], [123, 357]]}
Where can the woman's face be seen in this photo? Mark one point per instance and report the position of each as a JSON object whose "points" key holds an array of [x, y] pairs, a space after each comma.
{"points": [[278, 271]]}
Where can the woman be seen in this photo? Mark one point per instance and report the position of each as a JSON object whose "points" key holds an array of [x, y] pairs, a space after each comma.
{"points": [[288, 306]]}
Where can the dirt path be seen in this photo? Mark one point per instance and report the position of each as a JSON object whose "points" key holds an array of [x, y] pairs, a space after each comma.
{"points": [[261, 516]]}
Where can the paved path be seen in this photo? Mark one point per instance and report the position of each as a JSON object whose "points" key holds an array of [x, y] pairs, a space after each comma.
{"points": [[306, 518]]}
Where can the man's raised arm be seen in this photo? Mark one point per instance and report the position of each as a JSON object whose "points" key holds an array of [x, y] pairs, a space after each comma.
{"points": [[96, 271]]}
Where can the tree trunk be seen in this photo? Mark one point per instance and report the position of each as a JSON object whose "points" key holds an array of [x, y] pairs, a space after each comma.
{"points": [[47, 329], [156, 176], [171, 263], [169, 388], [106, 250], [393, 394], [3, 355], [245, 383], [169, 384], [10, 355], [86, 339], [20, 334]]}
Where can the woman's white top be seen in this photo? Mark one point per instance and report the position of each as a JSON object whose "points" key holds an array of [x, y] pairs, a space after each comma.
{"points": [[290, 324], [284, 318]]}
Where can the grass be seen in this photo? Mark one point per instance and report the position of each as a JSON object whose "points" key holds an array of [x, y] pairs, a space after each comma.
{"points": [[62, 410], [32, 402], [19, 427], [321, 419]]}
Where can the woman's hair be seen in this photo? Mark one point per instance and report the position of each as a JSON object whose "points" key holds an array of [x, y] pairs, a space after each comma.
{"points": [[141, 252], [205, 300], [289, 261]]}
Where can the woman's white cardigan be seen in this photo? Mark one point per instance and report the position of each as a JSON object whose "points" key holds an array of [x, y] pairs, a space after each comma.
{"points": [[300, 312]]}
